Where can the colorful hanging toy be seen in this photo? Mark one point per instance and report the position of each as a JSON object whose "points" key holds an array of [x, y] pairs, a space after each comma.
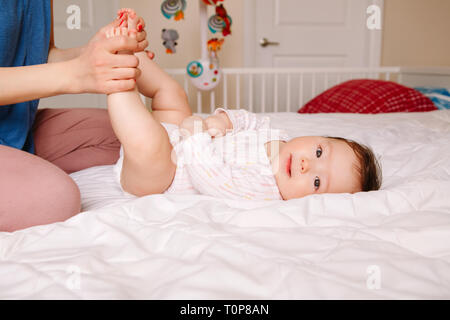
{"points": [[173, 8], [215, 45], [205, 73], [170, 36], [220, 22]]}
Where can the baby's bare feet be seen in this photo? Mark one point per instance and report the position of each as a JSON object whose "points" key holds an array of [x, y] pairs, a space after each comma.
{"points": [[121, 31], [128, 18]]}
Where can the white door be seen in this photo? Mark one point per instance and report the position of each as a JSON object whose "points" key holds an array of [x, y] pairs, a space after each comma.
{"points": [[313, 33], [310, 33], [93, 14]]}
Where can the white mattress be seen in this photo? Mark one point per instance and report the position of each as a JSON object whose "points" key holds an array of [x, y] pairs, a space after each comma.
{"points": [[392, 243]]}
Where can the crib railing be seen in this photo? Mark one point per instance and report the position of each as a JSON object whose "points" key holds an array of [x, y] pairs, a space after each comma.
{"points": [[274, 89]]}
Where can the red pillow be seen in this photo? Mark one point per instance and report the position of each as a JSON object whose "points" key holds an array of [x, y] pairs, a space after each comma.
{"points": [[369, 96]]}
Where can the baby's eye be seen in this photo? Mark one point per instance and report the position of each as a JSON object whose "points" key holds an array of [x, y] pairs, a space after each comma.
{"points": [[318, 151], [316, 183]]}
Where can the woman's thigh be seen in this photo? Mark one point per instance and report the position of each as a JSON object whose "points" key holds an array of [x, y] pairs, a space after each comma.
{"points": [[76, 138], [33, 191]]}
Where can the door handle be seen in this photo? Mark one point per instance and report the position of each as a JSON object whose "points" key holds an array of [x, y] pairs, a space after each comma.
{"points": [[264, 42]]}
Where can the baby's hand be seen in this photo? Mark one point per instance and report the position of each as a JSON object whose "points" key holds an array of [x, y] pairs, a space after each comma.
{"points": [[218, 124], [192, 125]]}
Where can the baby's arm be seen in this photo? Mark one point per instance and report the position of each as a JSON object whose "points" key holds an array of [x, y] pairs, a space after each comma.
{"points": [[224, 121]]}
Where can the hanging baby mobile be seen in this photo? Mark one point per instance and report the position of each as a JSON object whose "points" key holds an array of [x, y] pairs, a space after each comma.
{"points": [[221, 21], [169, 9], [173, 8], [205, 73], [170, 36]]}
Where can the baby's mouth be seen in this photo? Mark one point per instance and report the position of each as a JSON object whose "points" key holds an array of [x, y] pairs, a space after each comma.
{"points": [[288, 165]]}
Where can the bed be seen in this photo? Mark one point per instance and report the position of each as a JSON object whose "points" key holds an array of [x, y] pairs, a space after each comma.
{"points": [[388, 244]]}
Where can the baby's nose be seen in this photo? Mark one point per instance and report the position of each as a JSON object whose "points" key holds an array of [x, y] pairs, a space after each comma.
{"points": [[304, 166]]}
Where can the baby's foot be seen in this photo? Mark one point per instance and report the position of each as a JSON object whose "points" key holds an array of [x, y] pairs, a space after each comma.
{"points": [[128, 18], [121, 31]]}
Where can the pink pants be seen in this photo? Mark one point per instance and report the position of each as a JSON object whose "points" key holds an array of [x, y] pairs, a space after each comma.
{"points": [[36, 189]]}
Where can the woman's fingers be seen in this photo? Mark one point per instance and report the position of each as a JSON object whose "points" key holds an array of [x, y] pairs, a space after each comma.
{"points": [[140, 24], [142, 45], [123, 61], [113, 86], [125, 73], [141, 36], [150, 54], [121, 43]]}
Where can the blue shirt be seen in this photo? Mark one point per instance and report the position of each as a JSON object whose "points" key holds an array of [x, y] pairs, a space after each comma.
{"points": [[24, 40]]}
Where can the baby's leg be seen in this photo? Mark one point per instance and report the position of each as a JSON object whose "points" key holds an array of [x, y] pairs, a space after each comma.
{"points": [[147, 166], [169, 100]]}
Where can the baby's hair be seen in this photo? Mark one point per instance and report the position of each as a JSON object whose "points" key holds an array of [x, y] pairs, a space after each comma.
{"points": [[369, 169]]}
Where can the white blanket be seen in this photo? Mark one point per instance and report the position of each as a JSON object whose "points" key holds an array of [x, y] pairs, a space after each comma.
{"points": [[392, 243]]}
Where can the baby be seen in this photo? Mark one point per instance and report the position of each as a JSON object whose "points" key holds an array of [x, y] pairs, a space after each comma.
{"points": [[232, 153]]}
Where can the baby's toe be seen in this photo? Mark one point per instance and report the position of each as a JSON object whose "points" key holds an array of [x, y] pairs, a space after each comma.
{"points": [[121, 13], [118, 31], [124, 21], [132, 19], [131, 13], [109, 32], [132, 33]]}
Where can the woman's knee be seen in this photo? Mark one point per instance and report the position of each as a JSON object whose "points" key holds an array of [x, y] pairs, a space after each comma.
{"points": [[36, 192], [75, 139]]}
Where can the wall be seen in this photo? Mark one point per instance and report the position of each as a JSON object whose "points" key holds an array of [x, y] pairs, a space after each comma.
{"points": [[416, 33], [189, 43]]}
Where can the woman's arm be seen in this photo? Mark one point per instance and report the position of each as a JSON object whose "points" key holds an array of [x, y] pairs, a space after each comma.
{"points": [[96, 70], [21, 84]]}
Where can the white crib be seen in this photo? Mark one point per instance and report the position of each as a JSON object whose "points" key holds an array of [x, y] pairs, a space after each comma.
{"points": [[287, 89]]}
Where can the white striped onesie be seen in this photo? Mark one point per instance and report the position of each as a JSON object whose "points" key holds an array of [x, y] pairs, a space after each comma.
{"points": [[235, 166]]}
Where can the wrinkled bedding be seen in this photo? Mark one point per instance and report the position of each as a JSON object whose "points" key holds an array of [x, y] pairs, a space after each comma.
{"points": [[389, 244]]}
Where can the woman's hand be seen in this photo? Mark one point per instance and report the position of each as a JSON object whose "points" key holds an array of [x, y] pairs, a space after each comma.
{"points": [[99, 70], [141, 36]]}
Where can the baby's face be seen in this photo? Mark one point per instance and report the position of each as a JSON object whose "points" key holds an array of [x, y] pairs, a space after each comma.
{"points": [[308, 165]]}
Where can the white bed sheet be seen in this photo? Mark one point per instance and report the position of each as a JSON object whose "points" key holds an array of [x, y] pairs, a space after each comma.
{"points": [[392, 243]]}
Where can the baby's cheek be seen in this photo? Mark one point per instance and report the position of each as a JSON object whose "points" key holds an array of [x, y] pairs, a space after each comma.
{"points": [[297, 189]]}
